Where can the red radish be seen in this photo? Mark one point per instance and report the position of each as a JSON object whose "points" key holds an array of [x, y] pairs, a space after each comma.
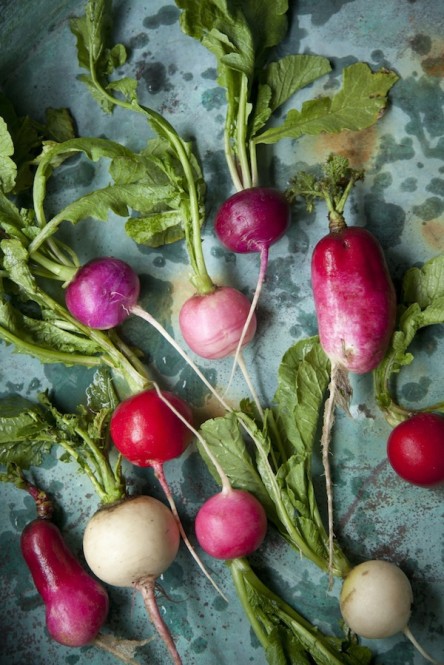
{"points": [[231, 524], [130, 544], [415, 449], [76, 604], [212, 324], [376, 602], [147, 432]]}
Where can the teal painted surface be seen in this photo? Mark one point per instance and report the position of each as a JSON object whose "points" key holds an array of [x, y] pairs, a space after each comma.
{"points": [[401, 201]]}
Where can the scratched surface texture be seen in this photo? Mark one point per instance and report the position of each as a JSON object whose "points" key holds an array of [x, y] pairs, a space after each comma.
{"points": [[401, 201]]}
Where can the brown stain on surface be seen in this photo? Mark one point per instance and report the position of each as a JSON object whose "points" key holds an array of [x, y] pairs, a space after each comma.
{"points": [[433, 233], [357, 147]]}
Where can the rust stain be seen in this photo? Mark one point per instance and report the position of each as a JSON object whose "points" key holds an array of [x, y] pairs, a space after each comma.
{"points": [[357, 147], [433, 64], [433, 233]]}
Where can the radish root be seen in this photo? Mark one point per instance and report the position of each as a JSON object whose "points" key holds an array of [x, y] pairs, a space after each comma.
{"points": [[340, 391], [408, 633], [146, 587]]}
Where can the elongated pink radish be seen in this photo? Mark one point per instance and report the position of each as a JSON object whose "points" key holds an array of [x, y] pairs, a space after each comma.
{"points": [[354, 296], [76, 604], [131, 543]]}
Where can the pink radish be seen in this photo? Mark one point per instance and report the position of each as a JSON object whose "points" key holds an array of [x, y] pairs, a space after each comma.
{"points": [[231, 524], [130, 544]]}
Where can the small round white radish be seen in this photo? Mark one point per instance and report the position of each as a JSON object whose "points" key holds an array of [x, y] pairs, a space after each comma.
{"points": [[130, 544], [130, 541], [376, 600]]}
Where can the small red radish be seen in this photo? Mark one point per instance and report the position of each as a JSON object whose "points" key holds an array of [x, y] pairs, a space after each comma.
{"points": [[415, 449], [146, 431], [231, 524], [212, 323], [76, 604], [131, 543], [376, 602]]}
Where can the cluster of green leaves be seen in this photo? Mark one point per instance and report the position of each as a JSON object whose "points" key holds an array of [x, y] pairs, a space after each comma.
{"points": [[174, 180], [422, 305], [241, 35], [30, 430], [275, 463]]}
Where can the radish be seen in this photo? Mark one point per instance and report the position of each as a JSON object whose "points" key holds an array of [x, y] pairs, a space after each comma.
{"points": [[415, 449], [376, 600], [231, 524], [354, 297], [76, 604], [251, 220], [130, 544]]}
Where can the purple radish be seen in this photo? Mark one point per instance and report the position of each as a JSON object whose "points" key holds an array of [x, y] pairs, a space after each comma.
{"points": [[76, 604]]}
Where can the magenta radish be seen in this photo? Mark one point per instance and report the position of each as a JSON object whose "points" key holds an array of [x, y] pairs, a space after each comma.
{"points": [[76, 604], [376, 602], [251, 220], [415, 449], [231, 524], [131, 543]]}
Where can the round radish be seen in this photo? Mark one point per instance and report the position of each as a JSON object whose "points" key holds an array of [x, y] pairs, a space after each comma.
{"points": [[147, 432], [354, 298], [252, 219], [130, 544], [231, 524], [415, 449], [376, 599], [376, 602], [76, 604], [212, 324], [103, 293]]}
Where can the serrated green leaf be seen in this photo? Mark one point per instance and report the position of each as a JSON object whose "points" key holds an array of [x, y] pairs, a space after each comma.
{"points": [[358, 105], [8, 168], [156, 229], [426, 284], [23, 435]]}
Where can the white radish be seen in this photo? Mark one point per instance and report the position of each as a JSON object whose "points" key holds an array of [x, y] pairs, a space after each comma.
{"points": [[376, 601], [130, 544]]}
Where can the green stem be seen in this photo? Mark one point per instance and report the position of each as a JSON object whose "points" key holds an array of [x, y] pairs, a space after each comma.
{"points": [[99, 488], [241, 142], [112, 484]]}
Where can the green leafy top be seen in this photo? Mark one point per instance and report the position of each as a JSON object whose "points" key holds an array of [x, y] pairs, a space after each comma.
{"points": [[422, 305], [241, 35], [174, 214]]}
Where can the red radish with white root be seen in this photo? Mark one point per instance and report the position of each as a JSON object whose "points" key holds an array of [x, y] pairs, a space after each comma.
{"points": [[354, 296], [376, 602]]}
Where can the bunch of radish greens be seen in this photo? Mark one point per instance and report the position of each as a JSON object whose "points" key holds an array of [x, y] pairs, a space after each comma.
{"points": [[267, 450]]}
